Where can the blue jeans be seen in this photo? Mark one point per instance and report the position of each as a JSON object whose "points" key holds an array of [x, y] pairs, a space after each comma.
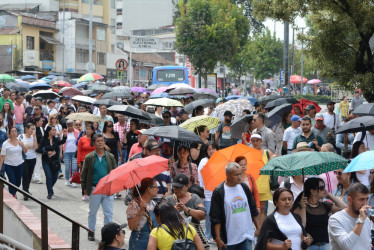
{"points": [[245, 245], [208, 230], [50, 176], [19, 127], [14, 174], [124, 157], [107, 204], [70, 164], [323, 247]]}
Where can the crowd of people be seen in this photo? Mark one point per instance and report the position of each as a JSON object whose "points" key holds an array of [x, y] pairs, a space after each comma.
{"points": [[328, 211]]}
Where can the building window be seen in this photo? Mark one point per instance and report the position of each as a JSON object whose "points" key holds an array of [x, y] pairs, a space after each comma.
{"points": [[82, 56], [137, 74], [119, 25], [119, 12], [101, 58], [100, 34], [112, 4], [30, 43], [113, 26]]}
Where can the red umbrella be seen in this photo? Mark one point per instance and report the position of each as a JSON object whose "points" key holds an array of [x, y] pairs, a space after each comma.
{"points": [[297, 79], [303, 103], [130, 174], [62, 84], [69, 91]]}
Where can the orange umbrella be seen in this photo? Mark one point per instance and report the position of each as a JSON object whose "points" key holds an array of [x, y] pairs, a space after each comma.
{"points": [[130, 174], [214, 173]]}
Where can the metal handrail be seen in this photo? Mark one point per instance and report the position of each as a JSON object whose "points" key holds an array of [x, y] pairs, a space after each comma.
{"points": [[11, 242], [44, 217]]}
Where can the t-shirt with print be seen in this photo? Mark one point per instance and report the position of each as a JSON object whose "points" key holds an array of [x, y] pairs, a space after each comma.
{"points": [[225, 134], [237, 211]]}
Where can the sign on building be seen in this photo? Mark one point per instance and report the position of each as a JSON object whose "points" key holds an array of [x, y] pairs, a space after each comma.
{"points": [[144, 42]]}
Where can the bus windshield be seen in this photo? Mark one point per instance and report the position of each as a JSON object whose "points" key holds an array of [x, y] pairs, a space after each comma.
{"points": [[170, 75]]}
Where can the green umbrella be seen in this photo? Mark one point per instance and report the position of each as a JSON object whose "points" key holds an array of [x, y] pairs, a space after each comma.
{"points": [[304, 163], [6, 78]]}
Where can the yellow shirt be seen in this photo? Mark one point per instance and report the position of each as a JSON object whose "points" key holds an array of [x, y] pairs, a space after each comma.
{"points": [[165, 240], [344, 108], [263, 183]]}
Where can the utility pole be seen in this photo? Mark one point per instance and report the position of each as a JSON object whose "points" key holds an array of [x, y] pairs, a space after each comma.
{"points": [[63, 40], [285, 53], [293, 52], [90, 67], [302, 65]]}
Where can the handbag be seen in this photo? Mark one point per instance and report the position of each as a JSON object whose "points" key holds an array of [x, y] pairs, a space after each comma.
{"points": [[76, 176], [55, 164]]}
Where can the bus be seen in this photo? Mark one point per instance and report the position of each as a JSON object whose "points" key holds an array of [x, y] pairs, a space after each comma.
{"points": [[169, 75]]}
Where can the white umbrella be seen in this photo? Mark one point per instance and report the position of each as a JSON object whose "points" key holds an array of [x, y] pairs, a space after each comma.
{"points": [[83, 99]]}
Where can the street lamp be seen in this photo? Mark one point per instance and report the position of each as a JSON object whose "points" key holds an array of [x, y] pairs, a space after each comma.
{"points": [[302, 64]]}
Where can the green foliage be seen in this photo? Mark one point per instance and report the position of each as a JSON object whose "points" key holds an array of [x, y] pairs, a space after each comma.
{"points": [[210, 31], [339, 40], [240, 64], [320, 99], [310, 66], [255, 25]]}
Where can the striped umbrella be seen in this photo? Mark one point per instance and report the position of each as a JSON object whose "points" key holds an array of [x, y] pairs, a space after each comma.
{"points": [[90, 77], [192, 123]]}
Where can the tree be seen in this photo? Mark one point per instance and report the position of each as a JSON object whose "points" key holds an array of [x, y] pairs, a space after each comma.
{"points": [[241, 63], [255, 25], [209, 31], [340, 39], [267, 53]]}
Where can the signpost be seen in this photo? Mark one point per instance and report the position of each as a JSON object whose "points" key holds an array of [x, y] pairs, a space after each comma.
{"points": [[144, 42], [121, 65]]}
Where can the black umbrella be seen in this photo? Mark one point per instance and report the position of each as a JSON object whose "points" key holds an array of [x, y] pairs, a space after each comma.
{"points": [[205, 95], [174, 133], [204, 102], [130, 111], [155, 120], [17, 86], [364, 109], [357, 125], [107, 102], [117, 94], [101, 88], [240, 126], [280, 101], [268, 98], [275, 116], [46, 94]]}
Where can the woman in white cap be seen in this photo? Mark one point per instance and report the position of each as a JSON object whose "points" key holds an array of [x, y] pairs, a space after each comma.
{"points": [[263, 182], [112, 236]]}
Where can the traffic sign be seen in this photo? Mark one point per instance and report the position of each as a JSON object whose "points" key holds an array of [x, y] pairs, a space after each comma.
{"points": [[121, 64]]}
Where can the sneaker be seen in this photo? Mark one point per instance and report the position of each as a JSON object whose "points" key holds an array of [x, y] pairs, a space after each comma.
{"points": [[91, 236], [60, 176], [67, 183], [84, 198], [38, 182], [74, 185], [49, 196]]}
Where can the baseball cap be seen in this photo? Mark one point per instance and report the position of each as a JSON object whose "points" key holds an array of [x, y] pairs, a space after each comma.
{"points": [[110, 230], [141, 131], [182, 112], [151, 144], [256, 136], [228, 113], [180, 180], [310, 106], [295, 118], [268, 91], [330, 103], [319, 116]]}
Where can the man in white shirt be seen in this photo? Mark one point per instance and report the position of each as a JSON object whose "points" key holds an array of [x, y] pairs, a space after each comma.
{"points": [[330, 118], [350, 228], [295, 184], [51, 108], [232, 210], [291, 133]]}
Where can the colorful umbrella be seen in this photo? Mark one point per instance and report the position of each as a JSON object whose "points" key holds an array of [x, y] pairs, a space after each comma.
{"points": [[363, 161], [159, 90], [314, 81], [90, 77], [139, 90], [297, 79], [164, 102], [214, 173], [192, 123], [130, 174], [304, 163], [70, 91], [62, 84], [6, 78], [303, 103], [235, 106], [85, 116]]}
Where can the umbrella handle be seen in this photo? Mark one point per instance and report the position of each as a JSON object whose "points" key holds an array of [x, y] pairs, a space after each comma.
{"points": [[136, 186]]}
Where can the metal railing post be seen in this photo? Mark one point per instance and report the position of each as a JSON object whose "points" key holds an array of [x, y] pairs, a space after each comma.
{"points": [[1, 207], [44, 217], [75, 237]]}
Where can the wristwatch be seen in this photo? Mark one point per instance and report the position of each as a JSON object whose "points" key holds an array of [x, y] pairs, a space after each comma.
{"points": [[359, 221]]}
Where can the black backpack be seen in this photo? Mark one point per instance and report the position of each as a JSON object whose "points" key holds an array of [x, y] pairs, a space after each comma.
{"points": [[182, 244]]}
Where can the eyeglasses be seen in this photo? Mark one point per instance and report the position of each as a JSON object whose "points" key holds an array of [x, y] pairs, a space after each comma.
{"points": [[78, 124], [153, 186], [338, 173], [321, 188]]}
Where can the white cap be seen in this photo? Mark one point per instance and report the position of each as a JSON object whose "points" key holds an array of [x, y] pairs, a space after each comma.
{"points": [[268, 91], [256, 136]]}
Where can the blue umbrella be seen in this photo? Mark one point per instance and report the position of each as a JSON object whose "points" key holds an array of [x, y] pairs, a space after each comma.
{"points": [[363, 161], [28, 77], [50, 77], [159, 95], [80, 85], [234, 97], [252, 100], [40, 86]]}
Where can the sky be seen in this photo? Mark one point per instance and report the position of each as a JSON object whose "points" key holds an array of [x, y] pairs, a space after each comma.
{"points": [[279, 27]]}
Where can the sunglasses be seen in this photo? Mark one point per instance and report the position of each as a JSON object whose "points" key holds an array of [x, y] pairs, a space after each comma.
{"points": [[338, 173]]}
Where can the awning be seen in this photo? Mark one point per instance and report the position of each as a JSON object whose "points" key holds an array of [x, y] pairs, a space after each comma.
{"points": [[50, 40]]}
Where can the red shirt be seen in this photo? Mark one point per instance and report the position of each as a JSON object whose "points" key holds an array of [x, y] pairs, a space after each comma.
{"points": [[84, 147], [135, 149]]}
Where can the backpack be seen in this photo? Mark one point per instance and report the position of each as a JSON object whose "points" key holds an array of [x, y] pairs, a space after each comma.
{"points": [[274, 184], [182, 244]]}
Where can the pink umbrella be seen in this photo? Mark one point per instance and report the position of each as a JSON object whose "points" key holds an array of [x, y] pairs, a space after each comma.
{"points": [[314, 81], [159, 90], [296, 79]]}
